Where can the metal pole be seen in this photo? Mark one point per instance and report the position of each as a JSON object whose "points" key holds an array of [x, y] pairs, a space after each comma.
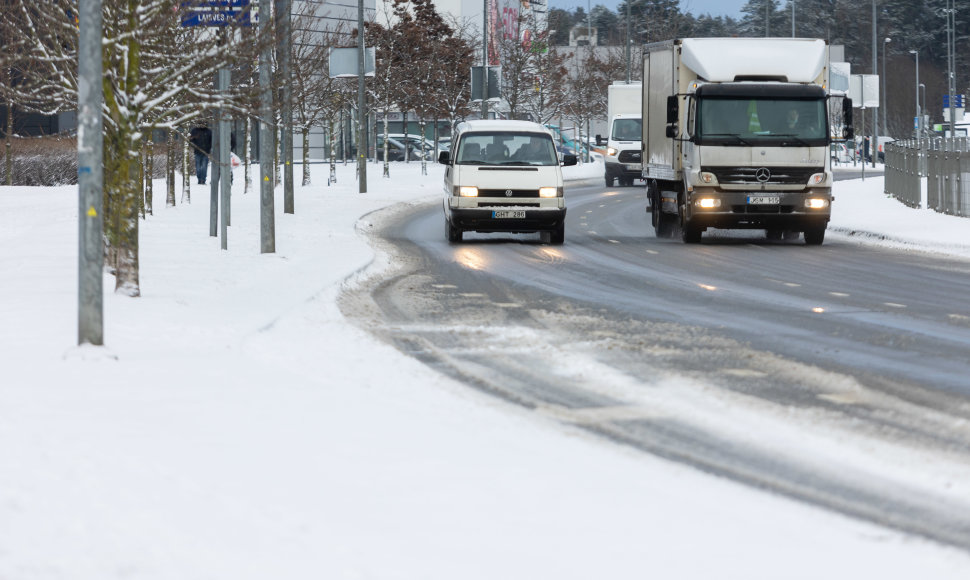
{"points": [[267, 179], [874, 146], [284, 53], [793, 18], [885, 96], [629, 75], [90, 177], [951, 66], [362, 103], [225, 168], [484, 60]]}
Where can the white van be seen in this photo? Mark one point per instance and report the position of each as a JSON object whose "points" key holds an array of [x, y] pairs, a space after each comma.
{"points": [[504, 176]]}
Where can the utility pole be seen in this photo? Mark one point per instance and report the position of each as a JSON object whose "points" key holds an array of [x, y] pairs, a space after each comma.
{"points": [[90, 177], [484, 60], [267, 175], [874, 145], [362, 103], [284, 53]]}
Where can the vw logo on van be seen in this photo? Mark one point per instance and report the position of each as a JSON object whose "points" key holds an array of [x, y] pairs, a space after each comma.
{"points": [[762, 174], [508, 193]]}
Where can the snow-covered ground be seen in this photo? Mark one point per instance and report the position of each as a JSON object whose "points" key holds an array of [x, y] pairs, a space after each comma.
{"points": [[236, 426]]}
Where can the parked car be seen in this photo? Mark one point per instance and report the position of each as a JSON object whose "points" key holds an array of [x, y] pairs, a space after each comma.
{"points": [[417, 143], [840, 153], [397, 150]]}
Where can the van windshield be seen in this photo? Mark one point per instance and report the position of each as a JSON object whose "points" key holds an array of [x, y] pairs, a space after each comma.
{"points": [[506, 148], [764, 121], [627, 129]]}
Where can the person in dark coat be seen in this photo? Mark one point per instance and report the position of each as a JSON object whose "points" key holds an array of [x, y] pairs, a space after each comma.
{"points": [[201, 140]]}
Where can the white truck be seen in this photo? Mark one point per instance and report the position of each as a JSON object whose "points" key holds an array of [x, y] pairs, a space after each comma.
{"points": [[736, 134], [623, 149]]}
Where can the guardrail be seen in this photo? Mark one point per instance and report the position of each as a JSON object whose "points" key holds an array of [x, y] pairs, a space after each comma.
{"points": [[946, 165]]}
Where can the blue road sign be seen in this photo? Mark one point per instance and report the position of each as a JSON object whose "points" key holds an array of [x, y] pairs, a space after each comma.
{"points": [[216, 13]]}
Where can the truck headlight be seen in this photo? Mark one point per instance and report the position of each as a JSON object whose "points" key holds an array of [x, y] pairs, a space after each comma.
{"points": [[707, 202], [707, 177], [816, 179], [611, 151], [816, 203], [548, 192], [468, 191]]}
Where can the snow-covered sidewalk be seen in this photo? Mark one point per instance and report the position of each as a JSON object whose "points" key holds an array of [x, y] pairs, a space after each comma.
{"points": [[236, 426]]}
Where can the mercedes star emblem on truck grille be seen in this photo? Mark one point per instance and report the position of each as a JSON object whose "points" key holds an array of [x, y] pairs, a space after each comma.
{"points": [[508, 193], [762, 174]]}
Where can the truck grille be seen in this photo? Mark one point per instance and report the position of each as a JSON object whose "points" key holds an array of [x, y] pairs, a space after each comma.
{"points": [[628, 157], [778, 175]]}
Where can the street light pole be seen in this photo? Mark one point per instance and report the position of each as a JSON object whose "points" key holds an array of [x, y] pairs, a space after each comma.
{"points": [[885, 95], [874, 146], [484, 61], [793, 18]]}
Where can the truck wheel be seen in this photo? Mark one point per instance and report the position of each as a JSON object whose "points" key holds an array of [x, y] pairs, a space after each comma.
{"points": [[690, 233], [791, 235], [665, 225], [609, 181], [453, 234], [815, 236]]}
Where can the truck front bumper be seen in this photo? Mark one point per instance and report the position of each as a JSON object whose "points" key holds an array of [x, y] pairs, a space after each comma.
{"points": [[785, 210]]}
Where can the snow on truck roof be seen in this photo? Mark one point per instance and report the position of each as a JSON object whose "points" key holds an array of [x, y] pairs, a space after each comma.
{"points": [[799, 60]]}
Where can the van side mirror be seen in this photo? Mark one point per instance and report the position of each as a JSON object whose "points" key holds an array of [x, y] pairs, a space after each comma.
{"points": [[444, 158], [600, 141], [849, 131], [568, 160]]}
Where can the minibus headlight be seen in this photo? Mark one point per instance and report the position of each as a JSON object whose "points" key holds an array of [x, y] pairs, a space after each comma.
{"points": [[548, 192], [468, 191]]}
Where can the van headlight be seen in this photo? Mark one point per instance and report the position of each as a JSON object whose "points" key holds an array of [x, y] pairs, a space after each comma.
{"points": [[468, 191], [611, 151], [549, 192]]}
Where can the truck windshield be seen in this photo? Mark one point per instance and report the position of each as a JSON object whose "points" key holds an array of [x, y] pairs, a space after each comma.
{"points": [[627, 129], [767, 121], [506, 148]]}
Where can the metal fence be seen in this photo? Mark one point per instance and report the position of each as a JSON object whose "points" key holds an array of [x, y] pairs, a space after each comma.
{"points": [[946, 165]]}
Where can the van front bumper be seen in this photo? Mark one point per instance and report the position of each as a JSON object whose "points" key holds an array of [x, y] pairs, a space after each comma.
{"points": [[490, 219]]}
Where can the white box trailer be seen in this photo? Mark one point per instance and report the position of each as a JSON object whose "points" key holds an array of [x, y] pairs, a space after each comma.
{"points": [[736, 134]]}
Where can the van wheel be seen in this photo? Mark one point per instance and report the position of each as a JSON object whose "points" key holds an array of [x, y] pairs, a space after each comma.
{"points": [[609, 181], [453, 234], [558, 235], [815, 236]]}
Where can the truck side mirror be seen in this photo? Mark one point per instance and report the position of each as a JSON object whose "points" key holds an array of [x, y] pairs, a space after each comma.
{"points": [[444, 158], [673, 115], [673, 110], [849, 131]]}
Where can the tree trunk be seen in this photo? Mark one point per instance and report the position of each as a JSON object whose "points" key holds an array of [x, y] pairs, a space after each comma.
{"points": [[170, 153], [122, 199], [306, 155], [247, 174], [147, 170], [186, 178], [8, 146]]}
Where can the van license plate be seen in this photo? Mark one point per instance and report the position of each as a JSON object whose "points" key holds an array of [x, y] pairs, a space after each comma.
{"points": [[763, 200], [508, 214]]}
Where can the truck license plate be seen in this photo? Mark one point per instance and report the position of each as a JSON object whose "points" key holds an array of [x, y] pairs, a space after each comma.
{"points": [[763, 200], [508, 214]]}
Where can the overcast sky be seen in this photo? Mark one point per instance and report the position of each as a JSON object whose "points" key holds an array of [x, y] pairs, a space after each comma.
{"points": [[714, 7]]}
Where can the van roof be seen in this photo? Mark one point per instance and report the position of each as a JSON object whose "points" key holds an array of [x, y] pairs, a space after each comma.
{"points": [[501, 125]]}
